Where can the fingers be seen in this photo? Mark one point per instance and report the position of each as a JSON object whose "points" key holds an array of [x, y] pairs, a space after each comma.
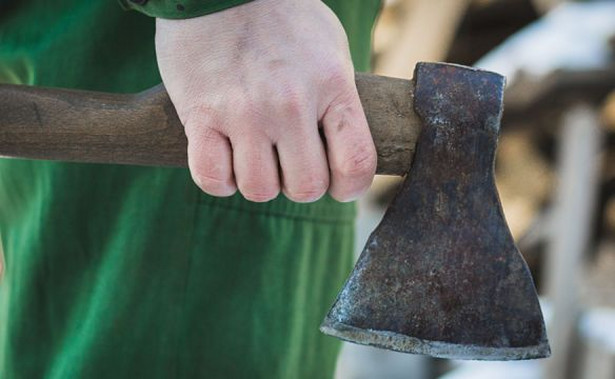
{"points": [[256, 168], [303, 161], [219, 168], [210, 160], [350, 148], [298, 163], [253, 167]]}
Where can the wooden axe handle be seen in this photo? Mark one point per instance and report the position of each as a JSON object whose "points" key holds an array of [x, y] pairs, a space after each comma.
{"points": [[143, 128]]}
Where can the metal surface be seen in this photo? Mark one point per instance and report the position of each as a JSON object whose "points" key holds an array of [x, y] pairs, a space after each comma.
{"points": [[441, 274]]}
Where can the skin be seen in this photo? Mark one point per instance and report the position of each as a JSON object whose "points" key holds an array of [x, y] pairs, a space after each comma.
{"points": [[255, 86]]}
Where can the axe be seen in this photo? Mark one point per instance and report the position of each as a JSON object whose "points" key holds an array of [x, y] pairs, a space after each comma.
{"points": [[440, 275]]}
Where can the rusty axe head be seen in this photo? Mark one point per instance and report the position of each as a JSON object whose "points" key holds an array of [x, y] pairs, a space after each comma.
{"points": [[441, 274]]}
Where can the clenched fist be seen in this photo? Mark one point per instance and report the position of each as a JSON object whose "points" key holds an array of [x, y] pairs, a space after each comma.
{"points": [[254, 86]]}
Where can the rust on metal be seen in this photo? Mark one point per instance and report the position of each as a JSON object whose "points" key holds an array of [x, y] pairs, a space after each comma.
{"points": [[441, 274]]}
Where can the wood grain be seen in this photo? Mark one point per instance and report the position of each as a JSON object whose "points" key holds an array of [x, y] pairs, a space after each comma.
{"points": [[143, 128]]}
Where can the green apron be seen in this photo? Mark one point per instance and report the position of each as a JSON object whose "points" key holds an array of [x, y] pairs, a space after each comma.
{"points": [[132, 272]]}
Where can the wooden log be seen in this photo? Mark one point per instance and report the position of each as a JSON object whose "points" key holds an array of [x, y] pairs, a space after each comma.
{"points": [[143, 129]]}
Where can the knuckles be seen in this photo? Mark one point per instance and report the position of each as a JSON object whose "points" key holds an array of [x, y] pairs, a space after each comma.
{"points": [[337, 79], [292, 102], [260, 195], [239, 115], [259, 186], [360, 162], [214, 185], [213, 180], [354, 174], [200, 122], [307, 193]]}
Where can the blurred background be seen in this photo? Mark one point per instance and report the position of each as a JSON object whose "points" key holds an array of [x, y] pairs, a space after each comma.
{"points": [[555, 168]]}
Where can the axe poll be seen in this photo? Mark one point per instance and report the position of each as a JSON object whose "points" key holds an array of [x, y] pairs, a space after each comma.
{"points": [[440, 275]]}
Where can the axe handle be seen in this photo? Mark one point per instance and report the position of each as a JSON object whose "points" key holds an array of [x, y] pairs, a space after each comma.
{"points": [[143, 128]]}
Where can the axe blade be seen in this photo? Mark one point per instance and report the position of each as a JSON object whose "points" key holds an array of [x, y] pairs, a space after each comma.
{"points": [[441, 274]]}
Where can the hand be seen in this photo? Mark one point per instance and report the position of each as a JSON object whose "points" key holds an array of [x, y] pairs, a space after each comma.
{"points": [[251, 86]]}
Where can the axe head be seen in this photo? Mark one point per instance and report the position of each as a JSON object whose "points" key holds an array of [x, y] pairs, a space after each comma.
{"points": [[441, 274]]}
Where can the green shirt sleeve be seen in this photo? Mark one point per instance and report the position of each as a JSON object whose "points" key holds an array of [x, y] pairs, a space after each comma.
{"points": [[179, 9]]}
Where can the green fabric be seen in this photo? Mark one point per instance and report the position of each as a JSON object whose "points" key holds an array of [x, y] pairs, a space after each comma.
{"points": [[178, 9], [132, 272]]}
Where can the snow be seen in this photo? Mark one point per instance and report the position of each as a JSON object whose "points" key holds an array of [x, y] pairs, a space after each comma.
{"points": [[572, 36]]}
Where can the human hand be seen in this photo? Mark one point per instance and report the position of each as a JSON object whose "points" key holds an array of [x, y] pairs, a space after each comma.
{"points": [[251, 86]]}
